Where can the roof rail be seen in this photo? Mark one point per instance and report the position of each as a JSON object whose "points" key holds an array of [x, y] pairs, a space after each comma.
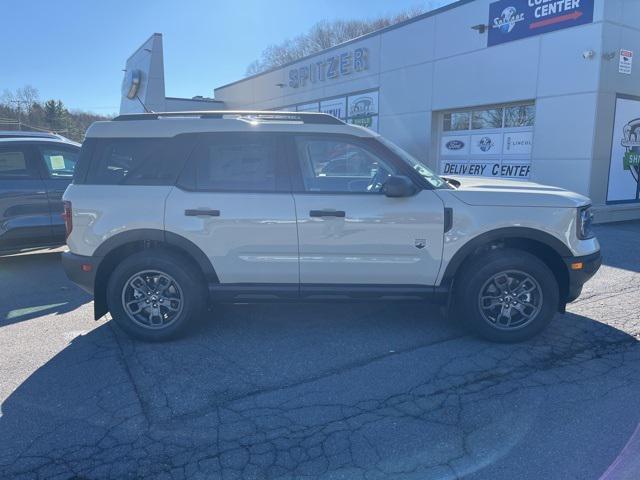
{"points": [[259, 115], [26, 134]]}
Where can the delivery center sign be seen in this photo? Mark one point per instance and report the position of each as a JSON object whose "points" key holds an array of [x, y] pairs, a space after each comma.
{"points": [[515, 19]]}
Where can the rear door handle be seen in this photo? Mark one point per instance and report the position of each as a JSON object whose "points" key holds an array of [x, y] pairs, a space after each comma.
{"points": [[326, 213], [202, 212]]}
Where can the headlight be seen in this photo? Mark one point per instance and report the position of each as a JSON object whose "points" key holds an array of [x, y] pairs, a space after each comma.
{"points": [[585, 223]]}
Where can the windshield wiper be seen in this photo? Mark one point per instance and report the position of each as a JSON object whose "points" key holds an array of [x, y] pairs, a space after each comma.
{"points": [[454, 183]]}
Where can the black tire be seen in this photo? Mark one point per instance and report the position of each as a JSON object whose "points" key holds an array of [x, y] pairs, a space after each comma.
{"points": [[189, 286], [476, 278]]}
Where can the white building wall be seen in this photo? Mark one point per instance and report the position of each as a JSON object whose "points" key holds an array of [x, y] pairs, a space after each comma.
{"points": [[148, 59], [620, 29], [440, 63]]}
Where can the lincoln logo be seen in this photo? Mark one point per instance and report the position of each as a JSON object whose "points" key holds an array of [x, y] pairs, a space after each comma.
{"points": [[454, 145]]}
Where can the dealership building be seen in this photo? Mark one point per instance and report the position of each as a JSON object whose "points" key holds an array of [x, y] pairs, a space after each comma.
{"points": [[540, 90]]}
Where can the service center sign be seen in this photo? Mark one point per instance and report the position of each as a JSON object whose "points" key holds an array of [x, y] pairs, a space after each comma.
{"points": [[624, 169], [515, 19]]}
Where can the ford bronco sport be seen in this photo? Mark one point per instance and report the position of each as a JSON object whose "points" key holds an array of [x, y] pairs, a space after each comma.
{"points": [[169, 213]]}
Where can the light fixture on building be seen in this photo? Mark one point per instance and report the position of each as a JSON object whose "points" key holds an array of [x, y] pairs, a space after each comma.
{"points": [[481, 28], [131, 83], [281, 85], [588, 54], [609, 55]]}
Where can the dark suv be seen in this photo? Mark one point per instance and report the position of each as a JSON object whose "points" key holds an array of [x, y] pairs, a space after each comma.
{"points": [[35, 169]]}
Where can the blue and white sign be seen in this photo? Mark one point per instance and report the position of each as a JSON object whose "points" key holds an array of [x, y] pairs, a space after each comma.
{"points": [[515, 19]]}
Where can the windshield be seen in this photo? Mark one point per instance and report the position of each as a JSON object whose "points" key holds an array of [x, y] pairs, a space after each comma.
{"points": [[417, 165]]}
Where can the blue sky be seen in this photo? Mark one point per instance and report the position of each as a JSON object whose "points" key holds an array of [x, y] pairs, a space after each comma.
{"points": [[74, 50]]}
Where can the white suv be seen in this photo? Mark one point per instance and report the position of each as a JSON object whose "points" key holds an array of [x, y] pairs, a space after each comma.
{"points": [[170, 213]]}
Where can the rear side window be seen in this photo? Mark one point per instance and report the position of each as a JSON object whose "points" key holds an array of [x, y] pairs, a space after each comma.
{"points": [[133, 161], [60, 162], [237, 162], [13, 164], [126, 161]]}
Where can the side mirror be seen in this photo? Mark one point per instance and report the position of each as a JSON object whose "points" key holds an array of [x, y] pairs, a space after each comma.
{"points": [[398, 186]]}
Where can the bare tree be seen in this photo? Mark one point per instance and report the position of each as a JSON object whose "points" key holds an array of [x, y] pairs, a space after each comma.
{"points": [[323, 35], [27, 96], [22, 110], [7, 97]]}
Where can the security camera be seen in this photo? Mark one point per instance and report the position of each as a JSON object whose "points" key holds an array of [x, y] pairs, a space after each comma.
{"points": [[588, 54]]}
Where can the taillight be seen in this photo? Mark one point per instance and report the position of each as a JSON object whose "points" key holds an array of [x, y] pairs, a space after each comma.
{"points": [[68, 218]]}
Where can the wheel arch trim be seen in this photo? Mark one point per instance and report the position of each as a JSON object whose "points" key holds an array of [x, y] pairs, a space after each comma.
{"points": [[151, 234], [506, 233], [140, 235]]}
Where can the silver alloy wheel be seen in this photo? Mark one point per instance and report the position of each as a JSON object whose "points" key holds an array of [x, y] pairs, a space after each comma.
{"points": [[510, 300], [152, 299]]}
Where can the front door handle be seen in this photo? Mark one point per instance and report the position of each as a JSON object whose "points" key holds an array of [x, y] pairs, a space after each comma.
{"points": [[327, 213], [202, 212]]}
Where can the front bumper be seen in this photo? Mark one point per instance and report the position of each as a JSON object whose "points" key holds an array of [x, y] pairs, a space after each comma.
{"points": [[81, 270], [578, 277]]}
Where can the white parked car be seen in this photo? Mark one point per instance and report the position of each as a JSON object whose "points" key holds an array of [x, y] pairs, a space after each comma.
{"points": [[170, 213]]}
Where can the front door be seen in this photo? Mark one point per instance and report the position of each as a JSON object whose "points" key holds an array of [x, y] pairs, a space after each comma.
{"points": [[234, 202], [349, 231]]}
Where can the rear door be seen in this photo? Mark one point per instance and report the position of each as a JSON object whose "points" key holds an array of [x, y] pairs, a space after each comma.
{"points": [[57, 163], [352, 233], [234, 201], [24, 207]]}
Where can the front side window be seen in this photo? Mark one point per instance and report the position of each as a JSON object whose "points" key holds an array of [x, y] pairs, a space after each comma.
{"points": [[245, 162], [13, 164], [425, 172], [334, 164], [59, 162]]}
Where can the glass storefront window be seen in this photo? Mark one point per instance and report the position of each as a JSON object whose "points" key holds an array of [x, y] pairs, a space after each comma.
{"points": [[489, 118], [488, 141], [456, 121], [357, 109], [520, 116]]}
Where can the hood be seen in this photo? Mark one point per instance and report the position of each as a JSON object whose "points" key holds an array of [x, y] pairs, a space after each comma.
{"points": [[516, 193]]}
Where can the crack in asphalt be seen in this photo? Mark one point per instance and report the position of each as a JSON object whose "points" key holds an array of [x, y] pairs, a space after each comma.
{"points": [[425, 403]]}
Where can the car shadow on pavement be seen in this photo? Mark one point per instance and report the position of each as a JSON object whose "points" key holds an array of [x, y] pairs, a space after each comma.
{"points": [[327, 391], [34, 285]]}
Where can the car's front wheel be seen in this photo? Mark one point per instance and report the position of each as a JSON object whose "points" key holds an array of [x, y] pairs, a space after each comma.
{"points": [[506, 295], [155, 295]]}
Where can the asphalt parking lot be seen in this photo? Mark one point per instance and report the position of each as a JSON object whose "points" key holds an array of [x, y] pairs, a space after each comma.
{"points": [[335, 391]]}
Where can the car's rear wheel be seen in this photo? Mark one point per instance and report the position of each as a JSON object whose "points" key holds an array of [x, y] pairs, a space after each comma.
{"points": [[506, 295], [155, 295]]}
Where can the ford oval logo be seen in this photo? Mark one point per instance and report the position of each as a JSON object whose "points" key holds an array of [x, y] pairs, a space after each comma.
{"points": [[454, 145]]}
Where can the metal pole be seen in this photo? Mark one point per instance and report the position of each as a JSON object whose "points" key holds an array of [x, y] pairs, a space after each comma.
{"points": [[19, 103]]}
